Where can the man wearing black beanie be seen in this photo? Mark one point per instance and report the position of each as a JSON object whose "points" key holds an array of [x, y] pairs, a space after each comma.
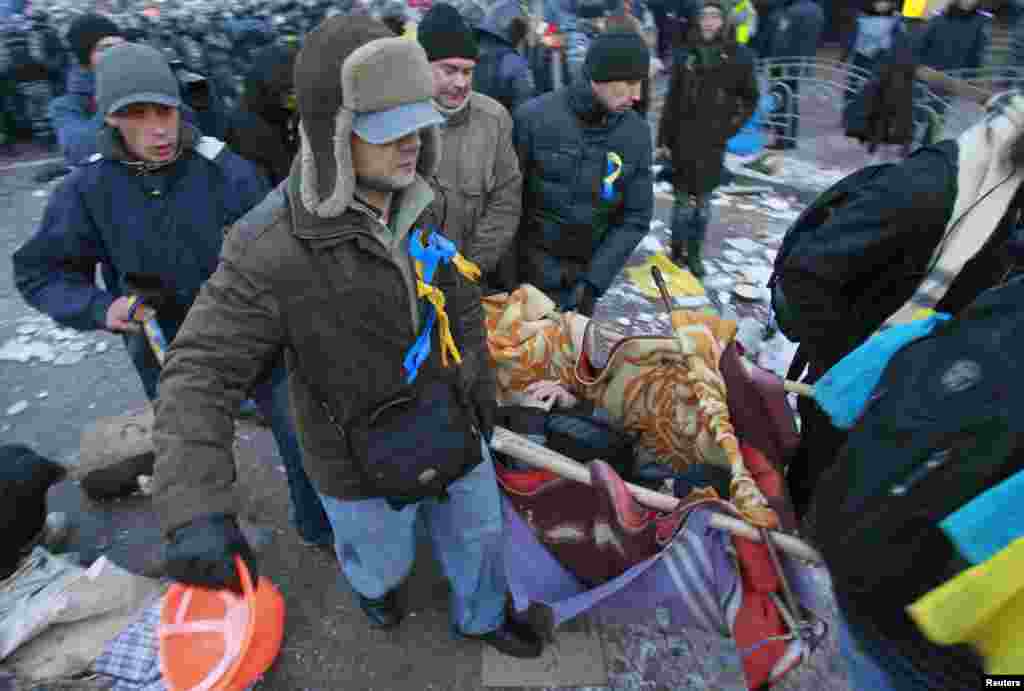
{"points": [[479, 171], [73, 115], [443, 34], [586, 158]]}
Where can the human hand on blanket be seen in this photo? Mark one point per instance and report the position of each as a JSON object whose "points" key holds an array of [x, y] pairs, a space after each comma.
{"points": [[551, 393]]}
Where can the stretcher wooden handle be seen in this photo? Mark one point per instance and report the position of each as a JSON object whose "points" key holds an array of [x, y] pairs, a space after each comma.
{"points": [[798, 388], [519, 447]]}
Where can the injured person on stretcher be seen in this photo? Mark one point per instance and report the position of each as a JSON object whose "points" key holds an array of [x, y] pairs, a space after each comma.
{"points": [[691, 404], [683, 398]]}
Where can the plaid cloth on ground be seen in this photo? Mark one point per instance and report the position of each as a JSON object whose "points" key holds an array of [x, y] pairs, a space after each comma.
{"points": [[132, 660]]}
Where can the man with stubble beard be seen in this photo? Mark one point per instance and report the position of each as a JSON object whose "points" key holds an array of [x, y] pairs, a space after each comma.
{"points": [[479, 174], [324, 271], [585, 154]]}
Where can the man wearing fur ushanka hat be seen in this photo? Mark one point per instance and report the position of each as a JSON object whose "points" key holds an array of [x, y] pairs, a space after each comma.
{"points": [[324, 270]]}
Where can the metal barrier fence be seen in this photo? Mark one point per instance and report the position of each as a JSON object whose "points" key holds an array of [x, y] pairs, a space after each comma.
{"points": [[809, 96]]}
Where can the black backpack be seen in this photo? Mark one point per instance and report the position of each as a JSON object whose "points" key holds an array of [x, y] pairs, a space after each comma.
{"points": [[787, 313], [943, 425]]}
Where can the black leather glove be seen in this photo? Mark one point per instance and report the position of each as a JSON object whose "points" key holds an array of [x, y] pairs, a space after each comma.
{"points": [[584, 298], [202, 553]]}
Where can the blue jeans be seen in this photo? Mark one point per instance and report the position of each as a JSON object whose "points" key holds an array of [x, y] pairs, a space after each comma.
{"points": [[377, 545], [271, 396], [690, 217]]}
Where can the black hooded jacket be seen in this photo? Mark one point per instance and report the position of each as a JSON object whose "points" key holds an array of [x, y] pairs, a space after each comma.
{"points": [[263, 129], [955, 40]]}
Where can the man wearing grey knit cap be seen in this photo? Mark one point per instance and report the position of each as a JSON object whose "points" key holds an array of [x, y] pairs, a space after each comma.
{"points": [[151, 207]]}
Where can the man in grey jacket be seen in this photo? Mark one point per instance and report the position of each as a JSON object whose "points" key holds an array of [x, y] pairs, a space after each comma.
{"points": [[479, 172]]}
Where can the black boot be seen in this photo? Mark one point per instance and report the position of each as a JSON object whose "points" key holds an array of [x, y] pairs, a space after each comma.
{"points": [[693, 259], [382, 612], [513, 639]]}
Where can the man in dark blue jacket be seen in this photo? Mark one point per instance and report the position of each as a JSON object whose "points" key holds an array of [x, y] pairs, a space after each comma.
{"points": [[502, 72], [956, 39], [586, 161], [73, 115], [152, 206]]}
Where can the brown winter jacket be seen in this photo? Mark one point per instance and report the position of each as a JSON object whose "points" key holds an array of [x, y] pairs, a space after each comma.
{"points": [[705, 106], [480, 180], [344, 332]]}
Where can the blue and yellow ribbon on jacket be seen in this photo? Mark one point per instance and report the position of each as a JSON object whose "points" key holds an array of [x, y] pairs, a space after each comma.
{"points": [[428, 250], [614, 170]]}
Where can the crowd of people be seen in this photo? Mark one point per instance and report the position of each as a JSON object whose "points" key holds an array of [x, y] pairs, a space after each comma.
{"points": [[303, 236], [213, 47]]}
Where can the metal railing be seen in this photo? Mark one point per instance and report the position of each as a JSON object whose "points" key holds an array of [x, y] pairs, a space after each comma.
{"points": [[808, 98]]}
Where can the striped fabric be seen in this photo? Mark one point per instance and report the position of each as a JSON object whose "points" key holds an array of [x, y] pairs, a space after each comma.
{"points": [[695, 582]]}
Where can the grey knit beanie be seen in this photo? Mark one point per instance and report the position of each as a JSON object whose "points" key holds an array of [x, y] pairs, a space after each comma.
{"points": [[133, 73]]}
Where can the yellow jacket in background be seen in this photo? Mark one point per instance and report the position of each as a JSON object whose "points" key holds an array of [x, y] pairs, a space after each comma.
{"points": [[744, 17]]}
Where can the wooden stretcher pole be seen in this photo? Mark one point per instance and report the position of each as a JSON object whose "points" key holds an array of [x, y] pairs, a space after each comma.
{"points": [[798, 388], [539, 456]]}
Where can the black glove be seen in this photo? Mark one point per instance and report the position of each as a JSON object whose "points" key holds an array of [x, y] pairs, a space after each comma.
{"points": [[203, 553], [583, 297]]}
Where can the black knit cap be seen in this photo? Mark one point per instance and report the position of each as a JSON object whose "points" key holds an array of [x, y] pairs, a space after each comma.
{"points": [[618, 57], [444, 34], [86, 31], [717, 4]]}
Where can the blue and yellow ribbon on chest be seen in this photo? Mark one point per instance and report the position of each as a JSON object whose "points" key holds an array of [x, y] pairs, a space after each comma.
{"points": [[430, 249]]}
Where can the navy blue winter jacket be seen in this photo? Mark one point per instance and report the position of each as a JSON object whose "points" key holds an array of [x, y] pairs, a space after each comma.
{"points": [[168, 222], [74, 119], [788, 28], [955, 40], [502, 73], [563, 139]]}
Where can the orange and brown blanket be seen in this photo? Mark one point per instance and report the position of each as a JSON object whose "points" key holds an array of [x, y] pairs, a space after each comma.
{"points": [[669, 391]]}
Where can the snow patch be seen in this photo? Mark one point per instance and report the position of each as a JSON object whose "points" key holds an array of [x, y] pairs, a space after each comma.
{"points": [[743, 244], [18, 408], [652, 244]]}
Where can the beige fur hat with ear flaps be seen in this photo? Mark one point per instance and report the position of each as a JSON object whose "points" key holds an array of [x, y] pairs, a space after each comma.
{"points": [[352, 74]]}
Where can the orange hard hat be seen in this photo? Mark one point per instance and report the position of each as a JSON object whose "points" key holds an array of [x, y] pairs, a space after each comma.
{"points": [[215, 640]]}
